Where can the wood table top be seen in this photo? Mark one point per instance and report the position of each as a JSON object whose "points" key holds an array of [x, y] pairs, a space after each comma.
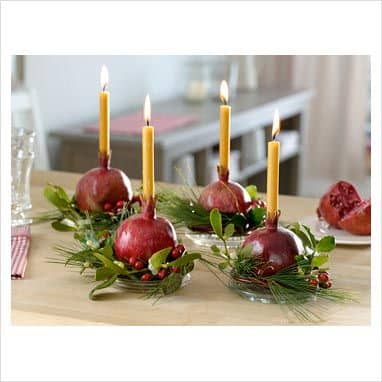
{"points": [[51, 294]]}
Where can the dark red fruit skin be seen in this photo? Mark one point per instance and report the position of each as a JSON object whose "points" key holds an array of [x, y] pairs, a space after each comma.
{"points": [[341, 198], [358, 220], [226, 196], [276, 246], [142, 235], [102, 185]]}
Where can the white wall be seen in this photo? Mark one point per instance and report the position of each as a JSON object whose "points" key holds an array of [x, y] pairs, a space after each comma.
{"points": [[68, 86]]}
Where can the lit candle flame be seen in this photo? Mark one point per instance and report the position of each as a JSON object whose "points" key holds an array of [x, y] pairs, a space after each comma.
{"points": [[276, 124], [104, 77], [224, 92], [147, 110]]}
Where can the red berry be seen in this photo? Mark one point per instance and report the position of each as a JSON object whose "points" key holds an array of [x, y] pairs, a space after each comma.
{"points": [[146, 277], [175, 269], [313, 282], [132, 261], [120, 204], [107, 207], [326, 285], [177, 251], [162, 274], [139, 265], [323, 277]]}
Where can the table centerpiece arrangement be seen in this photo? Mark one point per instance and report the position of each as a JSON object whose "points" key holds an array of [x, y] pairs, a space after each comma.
{"points": [[238, 205], [119, 237], [276, 264], [103, 196]]}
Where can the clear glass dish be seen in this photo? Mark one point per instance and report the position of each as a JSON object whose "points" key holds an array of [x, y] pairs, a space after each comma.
{"points": [[208, 239], [137, 286]]}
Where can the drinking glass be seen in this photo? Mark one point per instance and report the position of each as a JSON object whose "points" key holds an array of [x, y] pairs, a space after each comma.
{"points": [[22, 161]]}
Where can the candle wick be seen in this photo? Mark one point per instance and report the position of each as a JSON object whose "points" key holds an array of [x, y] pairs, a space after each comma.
{"points": [[104, 87], [147, 122]]}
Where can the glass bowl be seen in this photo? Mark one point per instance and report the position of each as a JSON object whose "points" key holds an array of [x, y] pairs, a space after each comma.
{"points": [[147, 287]]}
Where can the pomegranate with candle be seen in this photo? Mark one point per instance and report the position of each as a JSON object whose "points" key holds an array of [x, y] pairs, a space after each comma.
{"points": [[238, 205], [144, 234], [100, 189]]}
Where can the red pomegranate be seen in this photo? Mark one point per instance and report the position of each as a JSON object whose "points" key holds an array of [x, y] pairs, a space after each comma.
{"points": [[226, 196], [358, 220], [100, 186], [341, 198], [141, 235], [276, 246]]}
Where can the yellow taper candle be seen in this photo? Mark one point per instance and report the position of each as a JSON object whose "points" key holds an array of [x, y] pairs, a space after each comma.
{"points": [[104, 114], [225, 128], [273, 169], [148, 154]]}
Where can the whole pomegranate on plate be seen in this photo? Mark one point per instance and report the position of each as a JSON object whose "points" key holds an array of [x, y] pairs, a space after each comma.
{"points": [[342, 207]]}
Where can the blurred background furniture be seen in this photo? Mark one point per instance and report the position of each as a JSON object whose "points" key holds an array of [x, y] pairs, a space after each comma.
{"points": [[252, 115]]}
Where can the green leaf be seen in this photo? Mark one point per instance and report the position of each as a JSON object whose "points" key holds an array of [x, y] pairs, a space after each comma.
{"points": [[62, 194], [311, 236], [55, 197], [64, 226], [107, 251], [185, 259], [223, 266], [103, 273], [109, 264], [158, 259], [245, 251], [229, 231], [326, 244], [216, 222], [103, 285], [215, 248], [257, 215], [252, 191], [319, 260]]}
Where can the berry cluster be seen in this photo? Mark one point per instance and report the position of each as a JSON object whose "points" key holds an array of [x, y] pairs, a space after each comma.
{"points": [[137, 264], [322, 280], [117, 208]]}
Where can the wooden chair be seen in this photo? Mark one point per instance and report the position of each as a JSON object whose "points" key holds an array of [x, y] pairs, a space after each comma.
{"points": [[26, 114]]}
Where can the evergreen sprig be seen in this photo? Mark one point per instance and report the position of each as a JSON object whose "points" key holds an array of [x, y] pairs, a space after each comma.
{"points": [[289, 287], [185, 210]]}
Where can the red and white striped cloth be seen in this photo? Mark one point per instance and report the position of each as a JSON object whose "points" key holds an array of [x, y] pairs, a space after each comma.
{"points": [[20, 246]]}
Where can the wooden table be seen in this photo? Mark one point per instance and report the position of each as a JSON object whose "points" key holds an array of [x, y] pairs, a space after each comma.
{"points": [[53, 295]]}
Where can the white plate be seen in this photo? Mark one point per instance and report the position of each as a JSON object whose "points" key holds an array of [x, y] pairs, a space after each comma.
{"points": [[320, 229]]}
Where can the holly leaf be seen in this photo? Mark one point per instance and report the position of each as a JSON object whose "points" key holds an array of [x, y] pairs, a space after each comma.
{"points": [[185, 259], [103, 285], [157, 260], [216, 222], [326, 244], [319, 260], [229, 231], [256, 215], [252, 191]]}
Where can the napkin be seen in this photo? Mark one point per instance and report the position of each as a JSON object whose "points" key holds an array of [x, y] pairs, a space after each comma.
{"points": [[132, 124], [20, 247]]}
